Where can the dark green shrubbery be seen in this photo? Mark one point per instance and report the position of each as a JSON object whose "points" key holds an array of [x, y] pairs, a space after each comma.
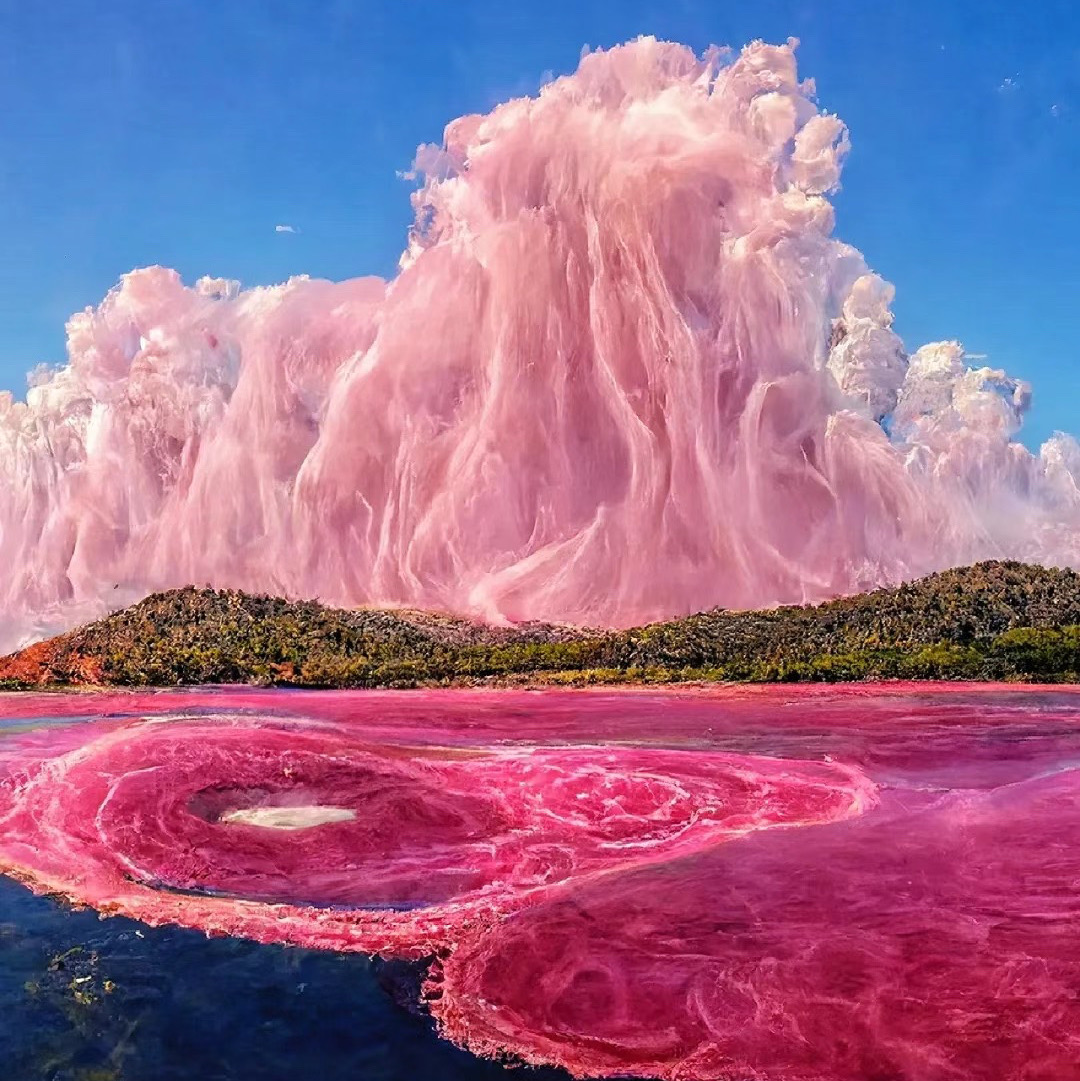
{"points": [[990, 621], [1043, 652]]}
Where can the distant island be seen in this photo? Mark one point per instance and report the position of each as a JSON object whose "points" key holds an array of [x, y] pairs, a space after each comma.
{"points": [[990, 621]]}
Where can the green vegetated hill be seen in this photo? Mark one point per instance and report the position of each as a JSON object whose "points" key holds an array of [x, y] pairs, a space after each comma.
{"points": [[991, 621]]}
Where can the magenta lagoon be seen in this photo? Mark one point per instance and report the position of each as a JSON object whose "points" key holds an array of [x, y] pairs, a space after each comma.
{"points": [[811, 884]]}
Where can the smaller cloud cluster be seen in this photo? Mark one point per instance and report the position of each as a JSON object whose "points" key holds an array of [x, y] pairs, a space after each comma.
{"points": [[286, 229]]}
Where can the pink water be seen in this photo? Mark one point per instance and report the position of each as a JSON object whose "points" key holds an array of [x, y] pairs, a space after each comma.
{"points": [[625, 372], [811, 884]]}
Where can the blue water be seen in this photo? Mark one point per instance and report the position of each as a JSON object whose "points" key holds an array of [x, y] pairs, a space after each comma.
{"points": [[85, 999]]}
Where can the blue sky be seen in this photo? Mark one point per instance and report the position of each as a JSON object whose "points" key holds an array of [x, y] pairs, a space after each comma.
{"points": [[182, 131]]}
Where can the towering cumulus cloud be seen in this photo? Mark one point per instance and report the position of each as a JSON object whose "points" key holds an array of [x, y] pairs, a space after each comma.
{"points": [[625, 371]]}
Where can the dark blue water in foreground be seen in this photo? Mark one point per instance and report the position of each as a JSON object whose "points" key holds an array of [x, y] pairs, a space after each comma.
{"points": [[85, 999]]}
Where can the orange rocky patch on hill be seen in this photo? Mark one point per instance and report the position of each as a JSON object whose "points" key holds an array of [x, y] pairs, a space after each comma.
{"points": [[38, 664]]}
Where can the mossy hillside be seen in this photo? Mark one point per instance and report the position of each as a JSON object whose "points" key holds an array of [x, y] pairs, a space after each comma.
{"points": [[993, 620]]}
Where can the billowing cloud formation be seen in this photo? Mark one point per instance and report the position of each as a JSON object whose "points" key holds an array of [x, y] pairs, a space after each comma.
{"points": [[625, 372]]}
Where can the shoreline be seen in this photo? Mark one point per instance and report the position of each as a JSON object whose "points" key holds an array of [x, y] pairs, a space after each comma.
{"points": [[710, 688]]}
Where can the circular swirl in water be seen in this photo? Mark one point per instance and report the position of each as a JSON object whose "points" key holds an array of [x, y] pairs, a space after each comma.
{"points": [[309, 832]]}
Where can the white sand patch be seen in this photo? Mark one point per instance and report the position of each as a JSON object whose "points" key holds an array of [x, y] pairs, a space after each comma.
{"points": [[289, 818]]}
